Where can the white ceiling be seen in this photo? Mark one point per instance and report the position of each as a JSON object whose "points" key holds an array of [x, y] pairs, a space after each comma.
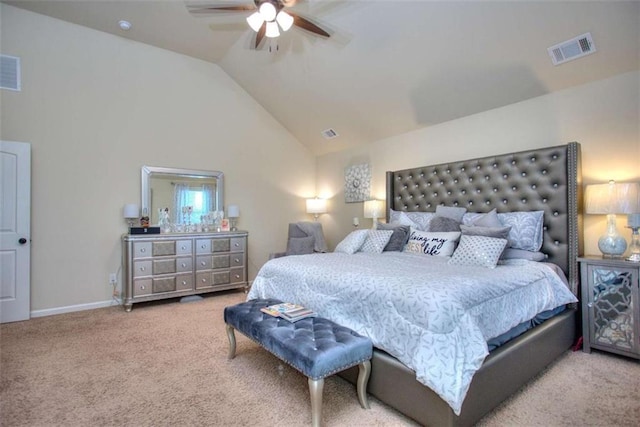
{"points": [[390, 66]]}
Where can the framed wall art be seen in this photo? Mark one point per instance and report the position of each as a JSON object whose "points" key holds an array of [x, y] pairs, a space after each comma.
{"points": [[357, 183]]}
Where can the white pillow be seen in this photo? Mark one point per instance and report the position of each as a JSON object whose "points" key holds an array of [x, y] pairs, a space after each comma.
{"points": [[434, 244], [353, 242], [376, 241], [480, 251], [526, 229]]}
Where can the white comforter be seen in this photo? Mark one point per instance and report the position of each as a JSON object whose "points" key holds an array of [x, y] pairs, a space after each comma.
{"points": [[435, 318]]}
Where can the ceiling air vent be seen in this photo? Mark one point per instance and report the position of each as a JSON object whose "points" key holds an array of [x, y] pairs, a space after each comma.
{"points": [[572, 49], [9, 72], [329, 134]]}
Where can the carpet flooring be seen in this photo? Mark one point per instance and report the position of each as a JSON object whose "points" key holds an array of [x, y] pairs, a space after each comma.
{"points": [[165, 364]]}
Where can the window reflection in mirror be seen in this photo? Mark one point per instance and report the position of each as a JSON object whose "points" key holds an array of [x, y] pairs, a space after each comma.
{"points": [[187, 194]]}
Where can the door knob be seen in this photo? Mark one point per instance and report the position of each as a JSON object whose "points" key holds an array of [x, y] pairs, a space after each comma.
{"points": [[22, 240]]}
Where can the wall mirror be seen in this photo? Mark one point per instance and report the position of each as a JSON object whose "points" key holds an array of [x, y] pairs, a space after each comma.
{"points": [[178, 189]]}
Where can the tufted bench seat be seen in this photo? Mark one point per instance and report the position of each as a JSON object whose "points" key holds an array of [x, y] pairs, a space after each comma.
{"points": [[315, 346]]}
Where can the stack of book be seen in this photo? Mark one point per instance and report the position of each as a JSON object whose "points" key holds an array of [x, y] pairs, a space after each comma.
{"points": [[289, 311]]}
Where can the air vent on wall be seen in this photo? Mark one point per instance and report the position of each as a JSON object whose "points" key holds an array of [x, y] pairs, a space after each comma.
{"points": [[329, 134], [9, 72], [572, 49]]}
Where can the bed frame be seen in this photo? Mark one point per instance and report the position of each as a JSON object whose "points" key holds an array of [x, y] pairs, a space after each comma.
{"points": [[547, 179]]}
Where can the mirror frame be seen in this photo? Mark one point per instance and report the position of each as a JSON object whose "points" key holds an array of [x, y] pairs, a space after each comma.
{"points": [[147, 172]]}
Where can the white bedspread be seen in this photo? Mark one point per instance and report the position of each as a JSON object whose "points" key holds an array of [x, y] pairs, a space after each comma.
{"points": [[433, 317]]}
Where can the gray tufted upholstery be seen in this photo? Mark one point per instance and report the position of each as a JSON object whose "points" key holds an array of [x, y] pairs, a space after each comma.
{"points": [[546, 179], [315, 346]]}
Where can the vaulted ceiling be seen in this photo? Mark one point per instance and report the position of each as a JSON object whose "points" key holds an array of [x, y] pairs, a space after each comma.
{"points": [[389, 67]]}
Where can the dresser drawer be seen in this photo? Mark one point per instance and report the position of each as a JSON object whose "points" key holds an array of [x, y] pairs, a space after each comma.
{"points": [[142, 250], [164, 248], [184, 282], [237, 244], [142, 268], [204, 262], [184, 265], [203, 280], [220, 245], [236, 275], [203, 246], [142, 287], [164, 266], [221, 278], [220, 261], [236, 259], [164, 284], [183, 247]]}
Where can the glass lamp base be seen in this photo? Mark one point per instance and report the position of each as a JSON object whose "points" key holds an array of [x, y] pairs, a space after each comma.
{"points": [[612, 246], [634, 246]]}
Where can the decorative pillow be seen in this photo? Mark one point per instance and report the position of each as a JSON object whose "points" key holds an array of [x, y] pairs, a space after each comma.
{"points": [[376, 241], [480, 251], [353, 242], [434, 244], [398, 238], [490, 219], [417, 220], [497, 232], [526, 229], [443, 224], [511, 253], [300, 245], [451, 212]]}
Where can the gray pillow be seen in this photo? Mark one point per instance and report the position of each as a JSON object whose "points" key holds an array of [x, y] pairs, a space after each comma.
{"points": [[490, 219], [497, 232], [300, 245], [442, 223], [511, 253], [451, 212], [398, 238]]}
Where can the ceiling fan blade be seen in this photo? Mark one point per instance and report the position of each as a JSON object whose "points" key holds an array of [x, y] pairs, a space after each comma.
{"points": [[260, 34], [307, 25], [288, 3], [209, 9]]}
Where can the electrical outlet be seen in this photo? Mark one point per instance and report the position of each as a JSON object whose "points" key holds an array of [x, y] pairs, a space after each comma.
{"points": [[112, 279]]}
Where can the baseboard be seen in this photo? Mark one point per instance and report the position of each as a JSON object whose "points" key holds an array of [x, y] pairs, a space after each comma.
{"points": [[71, 308]]}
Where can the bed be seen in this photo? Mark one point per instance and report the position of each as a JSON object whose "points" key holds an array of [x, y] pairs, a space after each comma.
{"points": [[546, 180]]}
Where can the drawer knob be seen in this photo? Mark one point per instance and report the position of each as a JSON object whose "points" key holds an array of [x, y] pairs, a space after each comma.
{"points": [[203, 263], [184, 283], [142, 287], [183, 247], [237, 276], [204, 280], [142, 268], [237, 260], [237, 245], [203, 246], [184, 265], [590, 305], [143, 250]]}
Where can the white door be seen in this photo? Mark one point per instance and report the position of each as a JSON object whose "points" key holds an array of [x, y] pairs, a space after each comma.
{"points": [[15, 223]]}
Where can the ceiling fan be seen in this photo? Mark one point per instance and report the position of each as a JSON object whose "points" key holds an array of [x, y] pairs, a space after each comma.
{"points": [[268, 18]]}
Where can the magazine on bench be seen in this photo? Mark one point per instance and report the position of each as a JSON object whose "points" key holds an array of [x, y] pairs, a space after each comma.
{"points": [[289, 311]]}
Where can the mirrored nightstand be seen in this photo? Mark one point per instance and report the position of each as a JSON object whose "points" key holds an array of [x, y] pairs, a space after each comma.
{"points": [[610, 315]]}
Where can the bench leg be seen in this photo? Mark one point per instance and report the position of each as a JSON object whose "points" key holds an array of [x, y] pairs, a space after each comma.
{"points": [[315, 390], [232, 341], [364, 370]]}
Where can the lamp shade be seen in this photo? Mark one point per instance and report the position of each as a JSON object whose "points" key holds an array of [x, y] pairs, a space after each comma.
{"points": [[612, 198], [131, 210], [373, 209], [316, 206], [233, 211]]}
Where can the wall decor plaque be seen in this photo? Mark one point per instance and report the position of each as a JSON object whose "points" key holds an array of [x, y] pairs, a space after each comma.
{"points": [[357, 183]]}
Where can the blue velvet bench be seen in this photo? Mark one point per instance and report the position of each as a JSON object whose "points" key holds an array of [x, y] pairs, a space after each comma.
{"points": [[315, 346]]}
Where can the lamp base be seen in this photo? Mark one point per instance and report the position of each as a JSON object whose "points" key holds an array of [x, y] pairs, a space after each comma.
{"points": [[612, 246], [634, 246]]}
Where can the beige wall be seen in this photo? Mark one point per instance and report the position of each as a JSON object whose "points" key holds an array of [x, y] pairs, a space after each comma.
{"points": [[602, 116], [95, 108]]}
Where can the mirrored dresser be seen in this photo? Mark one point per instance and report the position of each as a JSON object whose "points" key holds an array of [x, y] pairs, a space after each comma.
{"points": [[180, 264], [610, 314]]}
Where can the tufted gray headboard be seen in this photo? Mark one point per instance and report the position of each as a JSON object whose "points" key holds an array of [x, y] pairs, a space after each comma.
{"points": [[547, 179]]}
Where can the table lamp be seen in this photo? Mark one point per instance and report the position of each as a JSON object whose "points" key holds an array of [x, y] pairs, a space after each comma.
{"points": [[233, 212], [611, 199], [131, 212], [373, 209], [316, 207], [633, 222]]}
